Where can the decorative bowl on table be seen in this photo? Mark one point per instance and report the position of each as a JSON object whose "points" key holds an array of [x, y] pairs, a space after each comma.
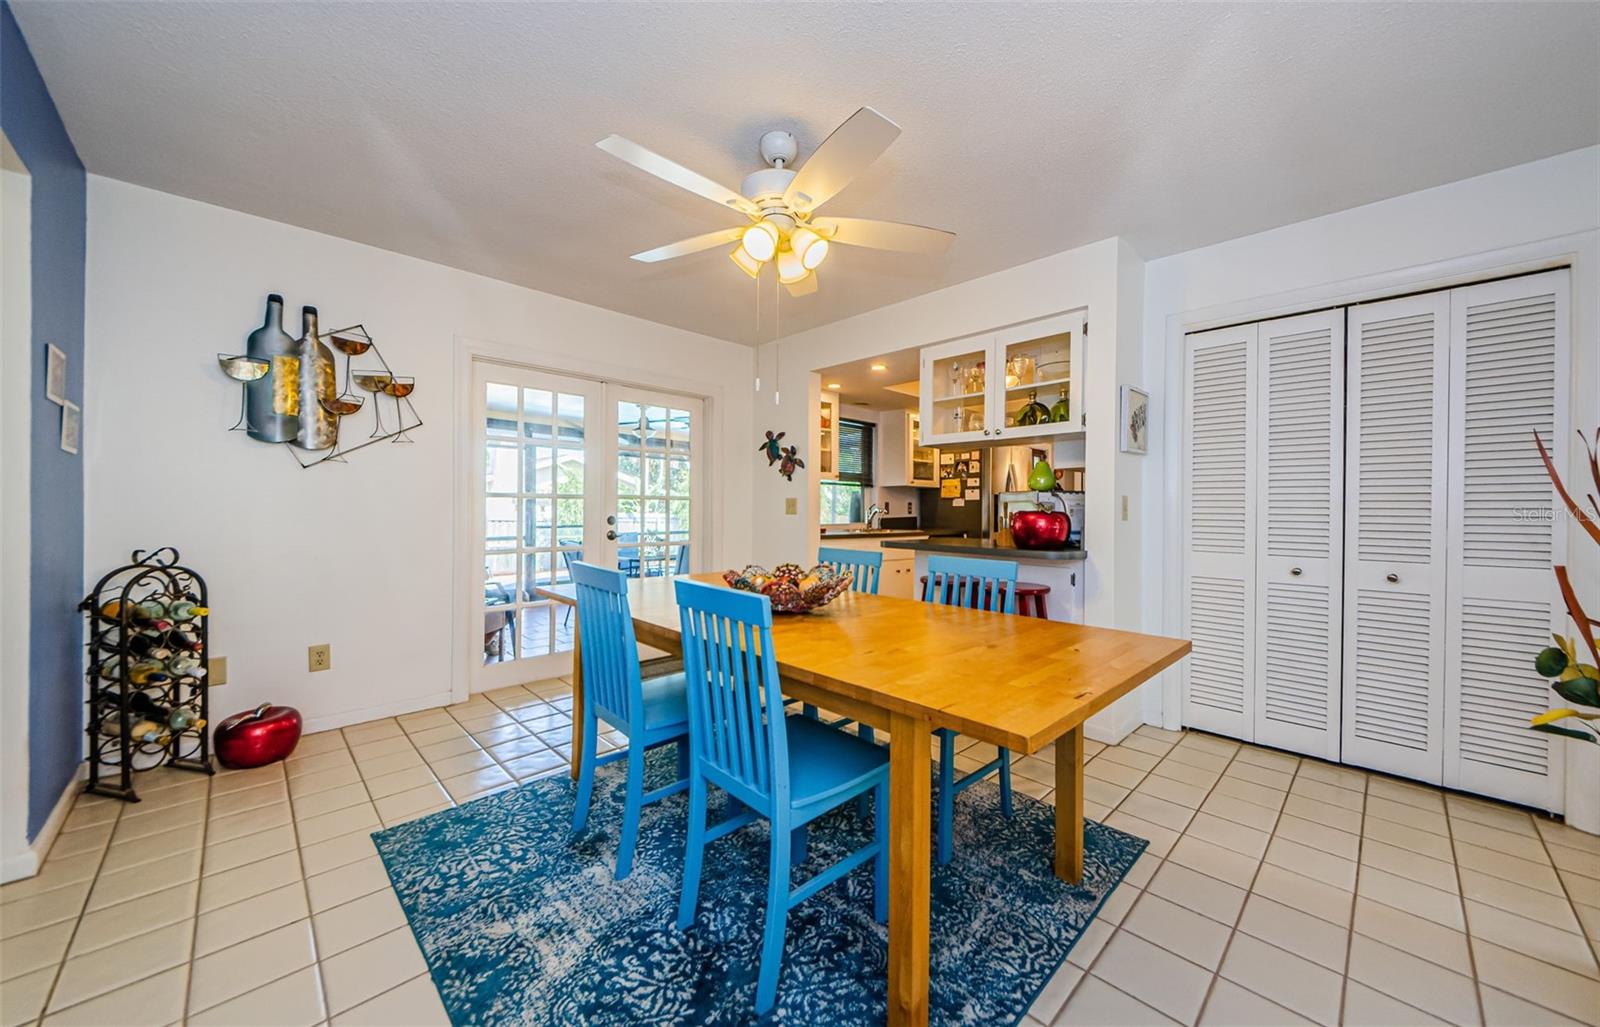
{"points": [[791, 588]]}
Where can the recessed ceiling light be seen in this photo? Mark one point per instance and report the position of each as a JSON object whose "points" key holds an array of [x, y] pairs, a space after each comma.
{"points": [[833, 385], [880, 367]]}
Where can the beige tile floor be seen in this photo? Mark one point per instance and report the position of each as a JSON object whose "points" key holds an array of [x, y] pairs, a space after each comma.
{"points": [[1276, 890]]}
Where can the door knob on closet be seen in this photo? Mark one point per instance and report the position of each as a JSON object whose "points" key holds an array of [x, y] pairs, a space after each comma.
{"points": [[1393, 579], [1296, 571]]}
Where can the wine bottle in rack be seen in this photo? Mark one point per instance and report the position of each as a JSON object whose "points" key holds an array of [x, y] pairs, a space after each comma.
{"points": [[145, 645], [142, 729], [140, 672], [182, 610], [185, 665]]}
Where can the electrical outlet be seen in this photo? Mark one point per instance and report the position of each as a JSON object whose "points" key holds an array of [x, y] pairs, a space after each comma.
{"points": [[911, 508], [791, 505], [216, 671], [319, 657]]}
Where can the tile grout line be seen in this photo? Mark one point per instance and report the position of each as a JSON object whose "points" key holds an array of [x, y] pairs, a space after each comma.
{"points": [[77, 924], [1461, 896], [1233, 929], [1211, 983], [200, 876], [1355, 897]]}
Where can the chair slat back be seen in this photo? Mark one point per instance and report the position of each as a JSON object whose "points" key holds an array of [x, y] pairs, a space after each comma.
{"points": [[978, 584], [865, 566], [736, 719], [610, 650]]}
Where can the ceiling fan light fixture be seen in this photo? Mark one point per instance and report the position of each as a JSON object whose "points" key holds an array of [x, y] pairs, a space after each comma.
{"points": [[746, 263], [760, 240], [811, 247], [790, 267]]}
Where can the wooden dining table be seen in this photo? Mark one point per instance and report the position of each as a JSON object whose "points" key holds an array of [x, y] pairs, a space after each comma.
{"points": [[909, 667]]}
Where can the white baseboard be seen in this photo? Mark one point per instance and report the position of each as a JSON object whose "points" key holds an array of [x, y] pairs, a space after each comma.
{"points": [[1116, 722], [26, 863], [394, 709]]}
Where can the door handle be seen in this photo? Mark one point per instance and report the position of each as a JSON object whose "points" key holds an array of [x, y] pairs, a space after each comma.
{"points": [[611, 536], [612, 520], [1393, 579], [1296, 571]]}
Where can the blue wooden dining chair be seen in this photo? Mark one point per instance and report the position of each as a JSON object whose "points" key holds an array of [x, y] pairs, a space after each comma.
{"points": [[650, 712], [866, 568], [864, 565], [789, 770], [978, 584]]}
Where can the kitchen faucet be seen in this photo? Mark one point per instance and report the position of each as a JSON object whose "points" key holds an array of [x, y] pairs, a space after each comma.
{"points": [[873, 511]]}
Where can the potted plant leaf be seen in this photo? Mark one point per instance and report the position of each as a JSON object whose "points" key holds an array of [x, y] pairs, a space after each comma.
{"points": [[1574, 680]]}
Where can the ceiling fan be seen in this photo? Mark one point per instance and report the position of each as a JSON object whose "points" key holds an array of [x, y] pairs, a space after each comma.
{"points": [[780, 203]]}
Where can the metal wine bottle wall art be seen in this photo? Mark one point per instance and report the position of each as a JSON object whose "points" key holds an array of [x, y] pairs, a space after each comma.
{"points": [[290, 389]]}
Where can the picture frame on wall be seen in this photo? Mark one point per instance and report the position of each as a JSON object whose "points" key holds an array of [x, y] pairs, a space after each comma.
{"points": [[1135, 430], [55, 375], [71, 427]]}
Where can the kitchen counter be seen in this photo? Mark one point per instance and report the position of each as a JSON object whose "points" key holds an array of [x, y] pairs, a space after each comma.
{"points": [[884, 533], [982, 547]]}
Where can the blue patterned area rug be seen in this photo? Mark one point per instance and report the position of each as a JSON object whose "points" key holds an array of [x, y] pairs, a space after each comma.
{"points": [[521, 922]]}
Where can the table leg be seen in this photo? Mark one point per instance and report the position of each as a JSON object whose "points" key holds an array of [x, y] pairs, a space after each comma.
{"points": [[1069, 806], [910, 861], [577, 696]]}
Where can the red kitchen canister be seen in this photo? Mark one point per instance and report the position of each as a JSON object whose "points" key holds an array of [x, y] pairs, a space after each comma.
{"points": [[257, 737]]}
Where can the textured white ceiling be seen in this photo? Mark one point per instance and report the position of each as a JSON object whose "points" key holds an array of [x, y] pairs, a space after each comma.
{"points": [[464, 134]]}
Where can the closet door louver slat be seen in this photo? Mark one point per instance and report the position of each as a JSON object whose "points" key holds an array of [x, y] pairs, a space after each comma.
{"points": [[1395, 408], [1507, 341], [1219, 530], [1298, 438]]}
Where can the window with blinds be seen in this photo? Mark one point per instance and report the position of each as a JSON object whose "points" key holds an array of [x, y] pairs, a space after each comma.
{"points": [[855, 451]]}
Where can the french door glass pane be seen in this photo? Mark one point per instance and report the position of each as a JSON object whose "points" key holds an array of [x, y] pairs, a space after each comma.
{"points": [[533, 516], [653, 488]]}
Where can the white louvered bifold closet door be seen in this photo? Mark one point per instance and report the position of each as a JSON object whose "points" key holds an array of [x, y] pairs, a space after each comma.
{"points": [[1508, 341], [1299, 532], [1219, 524], [1395, 489]]}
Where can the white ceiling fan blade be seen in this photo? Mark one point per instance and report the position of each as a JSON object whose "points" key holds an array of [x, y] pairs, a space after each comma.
{"points": [[804, 287], [691, 245], [677, 174], [883, 235], [841, 157]]}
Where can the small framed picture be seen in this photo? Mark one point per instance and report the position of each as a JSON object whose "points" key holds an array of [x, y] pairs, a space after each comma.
{"points": [[1135, 420], [71, 426], [55, 375]]}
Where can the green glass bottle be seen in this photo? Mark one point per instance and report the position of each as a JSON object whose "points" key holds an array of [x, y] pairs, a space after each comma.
{"points": [[1035, 412], [1061, 413]]}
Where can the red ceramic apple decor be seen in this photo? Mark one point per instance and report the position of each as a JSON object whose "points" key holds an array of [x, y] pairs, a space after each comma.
{"points": [[257, 737], [1040, 529]]}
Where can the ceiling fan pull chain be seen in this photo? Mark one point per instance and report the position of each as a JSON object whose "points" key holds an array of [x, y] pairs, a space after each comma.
{"points": [[757, 359], [777, 340]]}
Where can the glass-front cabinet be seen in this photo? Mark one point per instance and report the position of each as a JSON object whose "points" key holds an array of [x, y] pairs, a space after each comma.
{"points": [[1021, 383], [955, 391], [924, 459], [828, 438], [902, 458]]}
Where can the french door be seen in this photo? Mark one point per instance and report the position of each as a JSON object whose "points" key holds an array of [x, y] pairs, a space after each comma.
{"points": [[571, 470]]}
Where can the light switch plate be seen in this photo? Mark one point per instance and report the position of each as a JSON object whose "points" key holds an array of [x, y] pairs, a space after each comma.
{"points": [[791, 505], [1124, 507], [216, 671]]}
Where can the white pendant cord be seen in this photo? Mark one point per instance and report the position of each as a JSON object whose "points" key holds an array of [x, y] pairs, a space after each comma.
{"points": [[756, 358], [777, 339]]}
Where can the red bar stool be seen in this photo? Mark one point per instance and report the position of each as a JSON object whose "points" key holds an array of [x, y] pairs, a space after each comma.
{"points": [[1030, 597]]}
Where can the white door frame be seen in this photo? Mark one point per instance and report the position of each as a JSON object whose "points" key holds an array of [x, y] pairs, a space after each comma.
{"points": [[557, 360], [1580, 250]]}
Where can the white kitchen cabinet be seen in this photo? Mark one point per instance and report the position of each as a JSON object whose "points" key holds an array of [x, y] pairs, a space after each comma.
{"points": [[902, 459], [828, 439], [978, 389]]}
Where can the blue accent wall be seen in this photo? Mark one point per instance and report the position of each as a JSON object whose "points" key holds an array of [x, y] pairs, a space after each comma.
{"points": [[55, 656]]}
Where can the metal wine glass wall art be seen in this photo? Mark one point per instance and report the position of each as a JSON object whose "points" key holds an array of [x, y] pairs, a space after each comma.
{"points": [[290, 388]]}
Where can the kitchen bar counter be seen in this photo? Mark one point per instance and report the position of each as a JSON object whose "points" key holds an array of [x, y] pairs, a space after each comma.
{"points": [[982, 547]]}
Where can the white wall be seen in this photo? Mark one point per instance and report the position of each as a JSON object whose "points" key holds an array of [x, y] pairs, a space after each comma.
{"points": [[1517, 219], [1106, 279], [16, 414], [358, 555]]}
